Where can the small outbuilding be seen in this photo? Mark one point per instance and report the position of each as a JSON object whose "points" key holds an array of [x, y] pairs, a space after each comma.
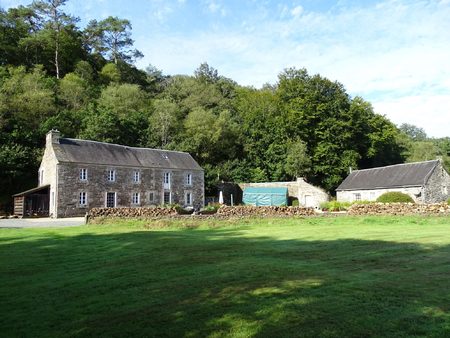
{"points": [[265, 196], [425, 182]]}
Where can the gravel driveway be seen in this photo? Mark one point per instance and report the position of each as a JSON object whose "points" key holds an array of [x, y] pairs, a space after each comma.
{"points": [[41, 222]]}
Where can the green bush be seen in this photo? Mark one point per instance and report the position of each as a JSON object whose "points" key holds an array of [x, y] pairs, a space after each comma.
{"points": [[295, 202], [448, 201], [211, 208], [334, 206], [395, 197]]}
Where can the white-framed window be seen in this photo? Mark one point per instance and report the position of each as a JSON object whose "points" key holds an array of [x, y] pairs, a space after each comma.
{"points": [[111, 175], [188, 198], [83, 174], [444, 190], [82, 200], [136, 176], [166, 178], [136, 198], [167, 197], [151, 196], [110, 199], [189, 179], [357, 197]]}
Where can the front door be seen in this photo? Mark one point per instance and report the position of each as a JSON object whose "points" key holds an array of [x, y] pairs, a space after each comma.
{"points": [[309, 201], [110, 199]]}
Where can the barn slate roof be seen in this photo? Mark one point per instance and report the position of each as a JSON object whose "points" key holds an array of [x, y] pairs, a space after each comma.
{"points": [[393, 176], [93, 152]]}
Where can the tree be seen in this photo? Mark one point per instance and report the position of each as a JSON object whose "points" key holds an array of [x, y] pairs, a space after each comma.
{"points": [[54, 19], [74, 91], [414, 132], [163, 122], [298, 163], [112, 38]]}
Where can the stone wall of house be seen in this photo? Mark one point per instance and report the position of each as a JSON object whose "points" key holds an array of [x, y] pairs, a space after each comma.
{"points": [[48, 170], [307, 194], [372, 194], [438, 186], [97, 185]]}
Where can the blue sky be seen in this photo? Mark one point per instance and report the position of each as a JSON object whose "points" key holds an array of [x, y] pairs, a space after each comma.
{"points": [[393, 53]]}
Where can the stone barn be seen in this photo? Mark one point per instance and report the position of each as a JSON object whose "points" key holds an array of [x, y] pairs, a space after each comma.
{"points": [[77, 175], [307, 194], [425, 182]]}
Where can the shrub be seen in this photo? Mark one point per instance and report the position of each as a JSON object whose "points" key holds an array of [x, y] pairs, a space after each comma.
{"points": [[294, 202], [335, 206], [211, 208], [448, 201], [395, 197]]}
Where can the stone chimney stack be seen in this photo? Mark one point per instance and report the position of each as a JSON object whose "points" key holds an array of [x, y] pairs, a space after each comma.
{"points": [[52, 137]]}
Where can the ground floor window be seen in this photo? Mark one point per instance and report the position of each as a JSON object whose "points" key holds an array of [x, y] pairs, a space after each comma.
{"points": [[151, 196], [83, 199], [188, 198], [167, 197], [135, 198], [110, 199], [357, 197]]}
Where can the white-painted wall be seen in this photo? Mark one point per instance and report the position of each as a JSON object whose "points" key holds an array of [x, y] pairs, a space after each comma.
{"points": [[373, 194]]}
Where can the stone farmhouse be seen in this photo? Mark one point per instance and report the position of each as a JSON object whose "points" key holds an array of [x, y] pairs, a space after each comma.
{"points": [[77, 175], [425, 182]]}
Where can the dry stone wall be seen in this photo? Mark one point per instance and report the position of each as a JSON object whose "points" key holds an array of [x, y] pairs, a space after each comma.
{"points": [[265, 211], [399, 209]]}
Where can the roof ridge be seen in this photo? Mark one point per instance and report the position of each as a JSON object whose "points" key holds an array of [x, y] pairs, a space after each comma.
{"points": [[121, 145], [395, 165]]}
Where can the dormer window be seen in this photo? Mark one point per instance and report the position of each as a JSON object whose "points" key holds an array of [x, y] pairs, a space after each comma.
{"points": [[83, 174], [111, 175]]}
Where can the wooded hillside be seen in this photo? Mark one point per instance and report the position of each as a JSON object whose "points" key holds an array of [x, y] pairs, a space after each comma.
{"points": [[82, 81]]}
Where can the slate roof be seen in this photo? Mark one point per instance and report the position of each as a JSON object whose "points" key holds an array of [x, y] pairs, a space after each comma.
{"points": [[92, 152], [393, 176]]}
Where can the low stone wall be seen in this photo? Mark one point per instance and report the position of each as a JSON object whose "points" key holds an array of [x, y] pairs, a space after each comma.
{"points": [[264, 211], [398, 209], [132, 212]]}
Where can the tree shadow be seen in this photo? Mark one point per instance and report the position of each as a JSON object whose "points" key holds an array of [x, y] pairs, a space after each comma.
{"points": [[217, 282]]}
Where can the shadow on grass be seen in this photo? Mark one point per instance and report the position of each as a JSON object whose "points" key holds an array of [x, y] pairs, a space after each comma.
{"points": [[214, 282]]}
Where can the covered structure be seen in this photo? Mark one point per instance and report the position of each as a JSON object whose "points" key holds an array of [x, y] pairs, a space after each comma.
{"points": [[265, 196], [33, 202]]}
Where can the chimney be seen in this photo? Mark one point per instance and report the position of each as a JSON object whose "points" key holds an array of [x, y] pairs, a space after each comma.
{"points": [[52, 136]]}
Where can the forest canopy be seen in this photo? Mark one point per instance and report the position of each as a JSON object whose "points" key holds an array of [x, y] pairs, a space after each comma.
{"points": [[84, 82]]}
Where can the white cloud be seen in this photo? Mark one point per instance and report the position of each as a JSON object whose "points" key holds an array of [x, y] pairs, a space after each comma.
{"points": [[297, 11]]}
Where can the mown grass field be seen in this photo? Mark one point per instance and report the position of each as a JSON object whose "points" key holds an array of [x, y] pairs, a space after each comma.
{"points": [[312, 277]]}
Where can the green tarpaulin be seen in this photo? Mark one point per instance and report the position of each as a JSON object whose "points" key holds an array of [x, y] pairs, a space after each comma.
{"points": [[264, 196]]}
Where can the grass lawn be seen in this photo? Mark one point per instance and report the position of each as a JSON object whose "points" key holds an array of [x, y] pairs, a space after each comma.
{"points": [[312, 277]]}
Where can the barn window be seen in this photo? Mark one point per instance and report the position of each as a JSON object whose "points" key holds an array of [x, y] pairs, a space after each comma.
{"points": [[136, 176], [135, 198], [357, 197], [151, 197], [111, 175], [83, 199], [83, 174]]}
